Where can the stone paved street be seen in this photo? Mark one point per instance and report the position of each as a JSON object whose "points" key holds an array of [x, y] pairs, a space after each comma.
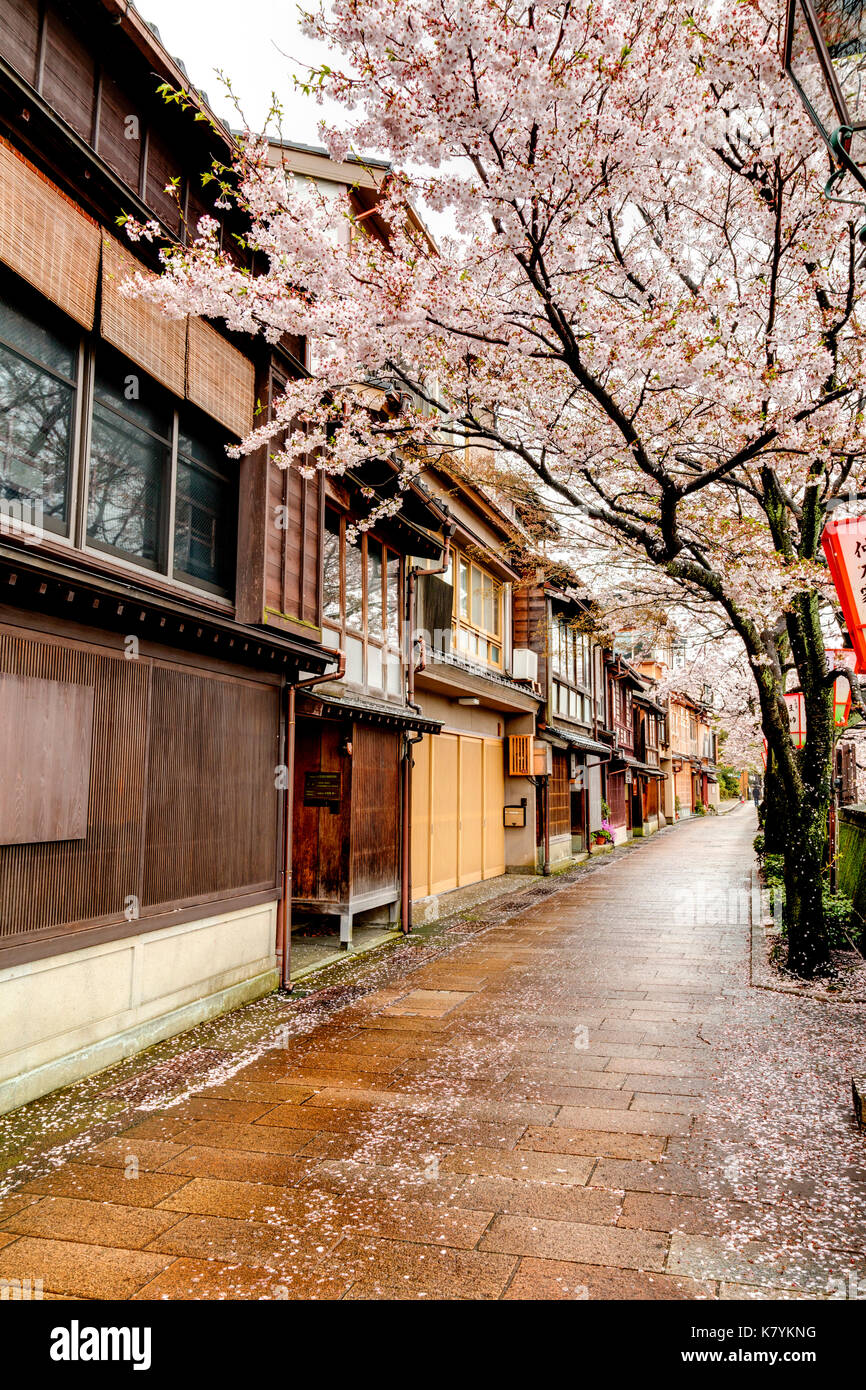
{"points": [[588, 1100]]}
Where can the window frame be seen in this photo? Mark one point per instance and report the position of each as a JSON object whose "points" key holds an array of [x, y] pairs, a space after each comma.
{"points": [[23, 298], [165, 568], [87, 346], [477, 631], [386, 642], [577, 648]]}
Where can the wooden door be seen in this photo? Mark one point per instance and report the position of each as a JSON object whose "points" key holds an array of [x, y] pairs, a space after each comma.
{"points": [[320, 839], [444, 823], [375, 809], [471, 809], [421, 810], [494, 801], [578, 817]]}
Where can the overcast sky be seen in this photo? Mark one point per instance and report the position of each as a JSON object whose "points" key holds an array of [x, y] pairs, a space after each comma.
{"points": [[258, 45]]}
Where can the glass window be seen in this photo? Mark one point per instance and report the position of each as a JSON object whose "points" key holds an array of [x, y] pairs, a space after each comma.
{"points": [[477, 612], [463, 592], [331, 604], [205, 536], [375, 607], [394, 673], [355, 660], [392, 569], [38, 369], [375, 673], [489, 623], [130, 454], [355, 586]]}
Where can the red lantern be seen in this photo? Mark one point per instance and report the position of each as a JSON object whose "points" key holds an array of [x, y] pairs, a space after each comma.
{"points": [[841, 656], [764, 753], [796, 717], [844, 544]]}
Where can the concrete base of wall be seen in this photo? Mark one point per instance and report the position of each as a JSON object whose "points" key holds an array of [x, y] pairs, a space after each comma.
{"points": [[70, 1015], [560, 850], [427, 910], [649, 827]]}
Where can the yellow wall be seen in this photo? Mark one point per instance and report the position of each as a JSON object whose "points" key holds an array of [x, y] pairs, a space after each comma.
{"points": [[458, 792]]}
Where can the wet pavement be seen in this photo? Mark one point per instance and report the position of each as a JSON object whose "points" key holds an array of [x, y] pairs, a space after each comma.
{"points": [[586, 1100]]}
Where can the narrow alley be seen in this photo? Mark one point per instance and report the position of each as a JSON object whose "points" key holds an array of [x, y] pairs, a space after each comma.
{"points": [[588, 1100]]}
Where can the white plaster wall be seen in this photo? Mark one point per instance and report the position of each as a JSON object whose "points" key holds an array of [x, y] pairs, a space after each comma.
{"points": [[560, 848], [70, 1015]]}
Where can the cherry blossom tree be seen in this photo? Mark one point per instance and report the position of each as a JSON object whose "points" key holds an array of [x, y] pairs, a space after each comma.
{"points": [[644, 306]]}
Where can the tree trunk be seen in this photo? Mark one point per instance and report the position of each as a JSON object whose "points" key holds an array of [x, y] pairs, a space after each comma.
{"points": [[773, 810], [805, 856], [806, 839]]}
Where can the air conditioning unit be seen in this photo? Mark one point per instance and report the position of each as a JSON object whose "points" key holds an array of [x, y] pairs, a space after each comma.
{"points": [[524, 664], [542, 759]]}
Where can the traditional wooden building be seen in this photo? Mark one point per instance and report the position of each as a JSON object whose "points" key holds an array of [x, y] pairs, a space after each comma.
{"points": [[634, 769], [649, 737], [473, 805], [355, 735], [684, 754], [555, 621], [159, 602]]}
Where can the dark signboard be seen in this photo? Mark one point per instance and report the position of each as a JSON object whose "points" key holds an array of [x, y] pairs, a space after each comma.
{"points": [[322, 788]]}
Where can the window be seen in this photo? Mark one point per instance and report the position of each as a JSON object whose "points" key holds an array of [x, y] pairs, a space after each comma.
{"points": [[571, 657], [145, 456], [392, 597], [375, 588], [205, 537], [130, 461], [38, 378], [353, 597], [161, 492], [332, 586], [362, 604], [477, 611]]}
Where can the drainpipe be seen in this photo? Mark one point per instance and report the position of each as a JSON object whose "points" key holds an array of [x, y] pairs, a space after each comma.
{"points": [[284, 907], [545, 811], [405, 828]]}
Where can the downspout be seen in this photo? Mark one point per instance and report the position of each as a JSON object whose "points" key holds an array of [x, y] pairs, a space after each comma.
{"points": [[405, 828], [545, 811], [284, 907]]}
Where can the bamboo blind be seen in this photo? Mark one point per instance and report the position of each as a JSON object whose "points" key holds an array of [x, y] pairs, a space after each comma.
{"points": [[219, 378], [45, 240], [138, 329]]}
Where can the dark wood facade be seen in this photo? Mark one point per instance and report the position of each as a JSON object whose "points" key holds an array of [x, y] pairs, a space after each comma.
{"points": [[346, 852], [555, 622], [170, 594], [352, 736], [170, 735]]}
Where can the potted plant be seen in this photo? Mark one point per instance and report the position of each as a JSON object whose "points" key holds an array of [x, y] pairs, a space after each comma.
{"points": [[604, 836]]}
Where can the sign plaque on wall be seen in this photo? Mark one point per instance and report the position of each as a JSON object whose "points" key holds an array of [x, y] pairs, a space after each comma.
{"points": [[323, 788], [514, 816]]}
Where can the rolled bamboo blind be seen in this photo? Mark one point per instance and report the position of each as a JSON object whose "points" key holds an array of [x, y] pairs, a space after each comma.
{"points": [[220, 380], [135, 327], [46, 240]]}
